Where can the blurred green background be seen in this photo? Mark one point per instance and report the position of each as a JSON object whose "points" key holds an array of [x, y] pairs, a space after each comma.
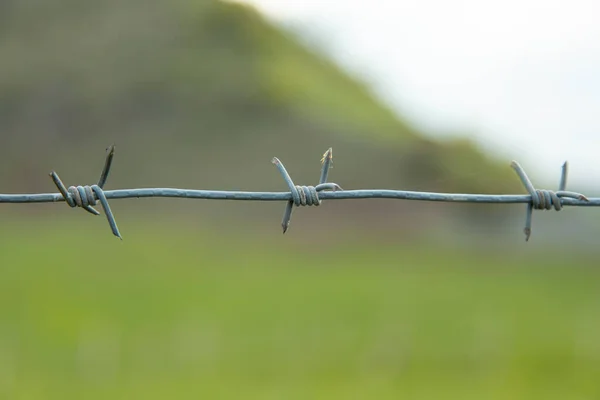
{"points": [[360, 299]]}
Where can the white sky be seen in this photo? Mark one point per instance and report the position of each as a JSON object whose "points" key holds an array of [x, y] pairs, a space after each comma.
{"points": [[522, 77]]}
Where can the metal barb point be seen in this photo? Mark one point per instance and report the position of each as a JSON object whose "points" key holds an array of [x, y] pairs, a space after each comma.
{"points": [[563, 176], [327, 162], [107, 164]]}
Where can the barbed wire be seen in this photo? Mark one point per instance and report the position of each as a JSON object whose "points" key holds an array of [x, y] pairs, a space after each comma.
{"points": [[88, 196]]}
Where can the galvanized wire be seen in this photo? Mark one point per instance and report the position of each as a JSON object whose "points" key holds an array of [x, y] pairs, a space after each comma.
{"points": [[87, 196]]}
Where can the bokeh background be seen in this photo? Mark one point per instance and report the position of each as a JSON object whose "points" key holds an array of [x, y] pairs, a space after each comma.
{"points": [[359, 299]]}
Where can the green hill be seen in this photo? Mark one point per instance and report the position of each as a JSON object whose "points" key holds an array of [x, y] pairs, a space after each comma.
{"points": [[199, 94]]}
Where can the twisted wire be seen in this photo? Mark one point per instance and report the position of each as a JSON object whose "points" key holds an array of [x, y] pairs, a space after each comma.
{"points": [[86, 197], [306, 196], [81, 196], [546, 200]]}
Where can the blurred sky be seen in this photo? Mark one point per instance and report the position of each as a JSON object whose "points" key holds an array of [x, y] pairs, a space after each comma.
{"points": [[522, 77]]}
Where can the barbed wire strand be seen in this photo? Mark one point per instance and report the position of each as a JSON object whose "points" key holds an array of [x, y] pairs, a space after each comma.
{"points": [[88, 196]]}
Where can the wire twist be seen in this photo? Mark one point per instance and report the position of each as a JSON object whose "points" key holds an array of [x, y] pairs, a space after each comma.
{"points": [[306, 195], [88, 196], [543, 199], [82, 196]]}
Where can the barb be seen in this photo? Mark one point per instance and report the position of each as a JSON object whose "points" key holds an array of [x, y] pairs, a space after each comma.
{"points": [[305, 195], [544, 199], [87, 196]]}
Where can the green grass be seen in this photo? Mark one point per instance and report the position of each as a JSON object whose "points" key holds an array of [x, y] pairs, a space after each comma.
{"points": [[189, 314]]}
